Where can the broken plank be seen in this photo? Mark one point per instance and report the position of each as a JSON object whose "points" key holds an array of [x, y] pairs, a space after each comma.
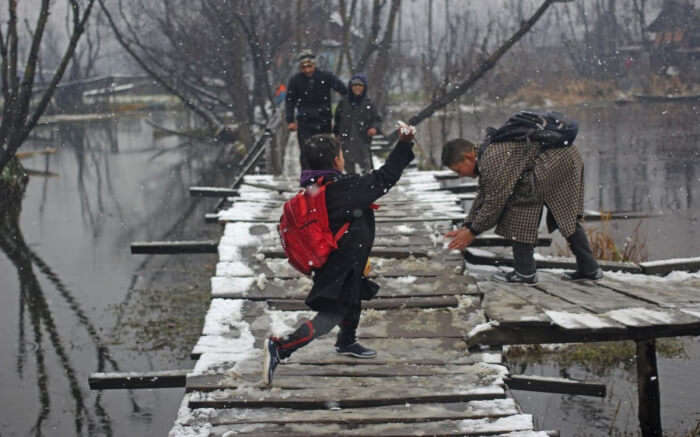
{"points": [[134, 380]]}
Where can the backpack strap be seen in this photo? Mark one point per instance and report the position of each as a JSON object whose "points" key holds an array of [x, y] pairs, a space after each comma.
{"points": [[338, 235]]}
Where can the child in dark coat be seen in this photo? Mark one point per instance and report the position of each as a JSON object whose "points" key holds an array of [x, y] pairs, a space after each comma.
{"points": [[341, 283], [356, 122]]}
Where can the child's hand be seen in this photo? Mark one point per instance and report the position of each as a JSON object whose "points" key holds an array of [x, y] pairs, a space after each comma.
{"points": [[371, 132], [406, 132]]}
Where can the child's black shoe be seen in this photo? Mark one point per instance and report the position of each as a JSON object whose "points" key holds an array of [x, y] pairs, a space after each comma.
{"points": [[356, 350]]}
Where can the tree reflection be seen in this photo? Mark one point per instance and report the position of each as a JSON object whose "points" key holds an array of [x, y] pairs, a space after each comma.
{"points": [[36, 314]]}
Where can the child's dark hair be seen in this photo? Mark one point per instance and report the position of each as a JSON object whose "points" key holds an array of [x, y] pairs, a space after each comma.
{"points": [[321, 151], [454, 150]]}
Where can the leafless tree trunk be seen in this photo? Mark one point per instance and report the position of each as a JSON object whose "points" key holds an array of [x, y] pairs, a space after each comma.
{"points": [[18, 118]]}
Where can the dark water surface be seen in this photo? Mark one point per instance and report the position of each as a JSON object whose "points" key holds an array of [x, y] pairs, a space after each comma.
{"points": [[84, 303]]}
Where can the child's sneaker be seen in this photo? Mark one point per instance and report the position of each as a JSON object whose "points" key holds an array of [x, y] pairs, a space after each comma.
{"points": [[356, 350], [580, 276], [271, 359]]}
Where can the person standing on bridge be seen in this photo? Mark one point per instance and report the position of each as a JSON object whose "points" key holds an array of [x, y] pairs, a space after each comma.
{"points": [[356, 122], [528, 163], [341, 283], [308, 101]]}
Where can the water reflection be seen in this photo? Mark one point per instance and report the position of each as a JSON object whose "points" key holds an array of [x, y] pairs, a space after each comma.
{"points": [[36, 315], [117, 181]]}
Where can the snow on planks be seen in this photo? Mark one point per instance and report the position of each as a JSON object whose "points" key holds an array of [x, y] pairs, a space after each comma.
{"points": [[423, 379], [605, 310]]}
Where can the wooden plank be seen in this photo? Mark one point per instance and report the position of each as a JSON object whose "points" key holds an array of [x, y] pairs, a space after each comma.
{"points": [[590, 297], [298, 288], [472, 378], [390, 352], [659, 294], [502, 306], [174, 247], [377, 304], [481, 257], [588, 294], [387, 267], [212, 192], [381, 252], [135, 380], [400, 323], [554, 385], [662, 267], [411, 413], [445, 428], [383, 392]]}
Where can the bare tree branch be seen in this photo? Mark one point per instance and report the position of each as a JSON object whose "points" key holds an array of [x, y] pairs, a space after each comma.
{"points": [[487, 65]]}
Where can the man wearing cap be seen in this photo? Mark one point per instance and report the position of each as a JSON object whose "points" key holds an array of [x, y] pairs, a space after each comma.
{"points": [[309, 92]]}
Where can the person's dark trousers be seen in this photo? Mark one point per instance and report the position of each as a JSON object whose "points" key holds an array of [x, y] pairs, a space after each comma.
{"points": [[306, 131], [320, 325], [524, 258], [348, 327], [578, 242]]}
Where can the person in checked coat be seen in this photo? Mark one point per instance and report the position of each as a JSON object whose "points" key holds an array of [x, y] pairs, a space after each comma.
{"points": [[341, 283], [356, 122], [521, 169]]}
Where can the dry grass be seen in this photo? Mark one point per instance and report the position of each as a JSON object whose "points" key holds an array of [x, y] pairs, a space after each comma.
{"points": [[669, 85], [565, 92], [604, 247]]}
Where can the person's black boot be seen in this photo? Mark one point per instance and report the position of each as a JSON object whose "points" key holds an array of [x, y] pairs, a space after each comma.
{"points": [[355, 350], [581, 276], [514, 277]]}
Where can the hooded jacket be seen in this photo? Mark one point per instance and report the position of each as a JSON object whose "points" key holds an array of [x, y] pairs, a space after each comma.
{"points": [[353, 117], [339, 285]]}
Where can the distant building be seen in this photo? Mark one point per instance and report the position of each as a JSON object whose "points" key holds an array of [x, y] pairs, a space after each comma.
{"points": [[676, 43]]}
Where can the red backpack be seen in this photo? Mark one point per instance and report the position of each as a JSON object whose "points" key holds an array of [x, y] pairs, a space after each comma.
{"points": [[304, 231]]}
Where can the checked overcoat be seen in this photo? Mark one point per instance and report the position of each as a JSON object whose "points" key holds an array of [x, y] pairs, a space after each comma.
{"points": [[516, 179]]}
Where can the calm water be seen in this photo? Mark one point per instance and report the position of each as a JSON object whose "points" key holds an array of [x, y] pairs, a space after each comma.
{"points": [[87, 304]]}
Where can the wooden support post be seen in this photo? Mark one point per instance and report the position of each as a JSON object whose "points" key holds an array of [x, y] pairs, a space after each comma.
{"points": [[648, 389]]}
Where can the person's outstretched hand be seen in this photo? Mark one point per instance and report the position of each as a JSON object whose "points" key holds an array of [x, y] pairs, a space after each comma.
{"points": [[406, 132], [461, 238], [292, 126]]}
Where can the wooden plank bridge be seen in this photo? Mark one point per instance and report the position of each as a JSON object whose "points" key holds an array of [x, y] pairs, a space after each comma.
{"points": [[424, 380], [438, 329]]}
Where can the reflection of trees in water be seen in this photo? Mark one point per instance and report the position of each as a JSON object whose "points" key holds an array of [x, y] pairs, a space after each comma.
{"points": [[90, 144], [35, 313]]}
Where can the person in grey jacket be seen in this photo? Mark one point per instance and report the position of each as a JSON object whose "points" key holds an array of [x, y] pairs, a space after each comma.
{"points": [[356, 122], [516, 179]]}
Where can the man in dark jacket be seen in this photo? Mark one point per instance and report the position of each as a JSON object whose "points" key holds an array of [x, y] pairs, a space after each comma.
{"points": [[309, 92], [356, 122], [341, 283], [517, 177]]}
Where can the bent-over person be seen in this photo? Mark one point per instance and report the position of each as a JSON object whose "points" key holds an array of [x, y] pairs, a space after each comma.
{"points": [[528, 163]]}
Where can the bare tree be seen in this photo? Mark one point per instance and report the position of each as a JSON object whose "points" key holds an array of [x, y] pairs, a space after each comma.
{"points": [[18, 117]]}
